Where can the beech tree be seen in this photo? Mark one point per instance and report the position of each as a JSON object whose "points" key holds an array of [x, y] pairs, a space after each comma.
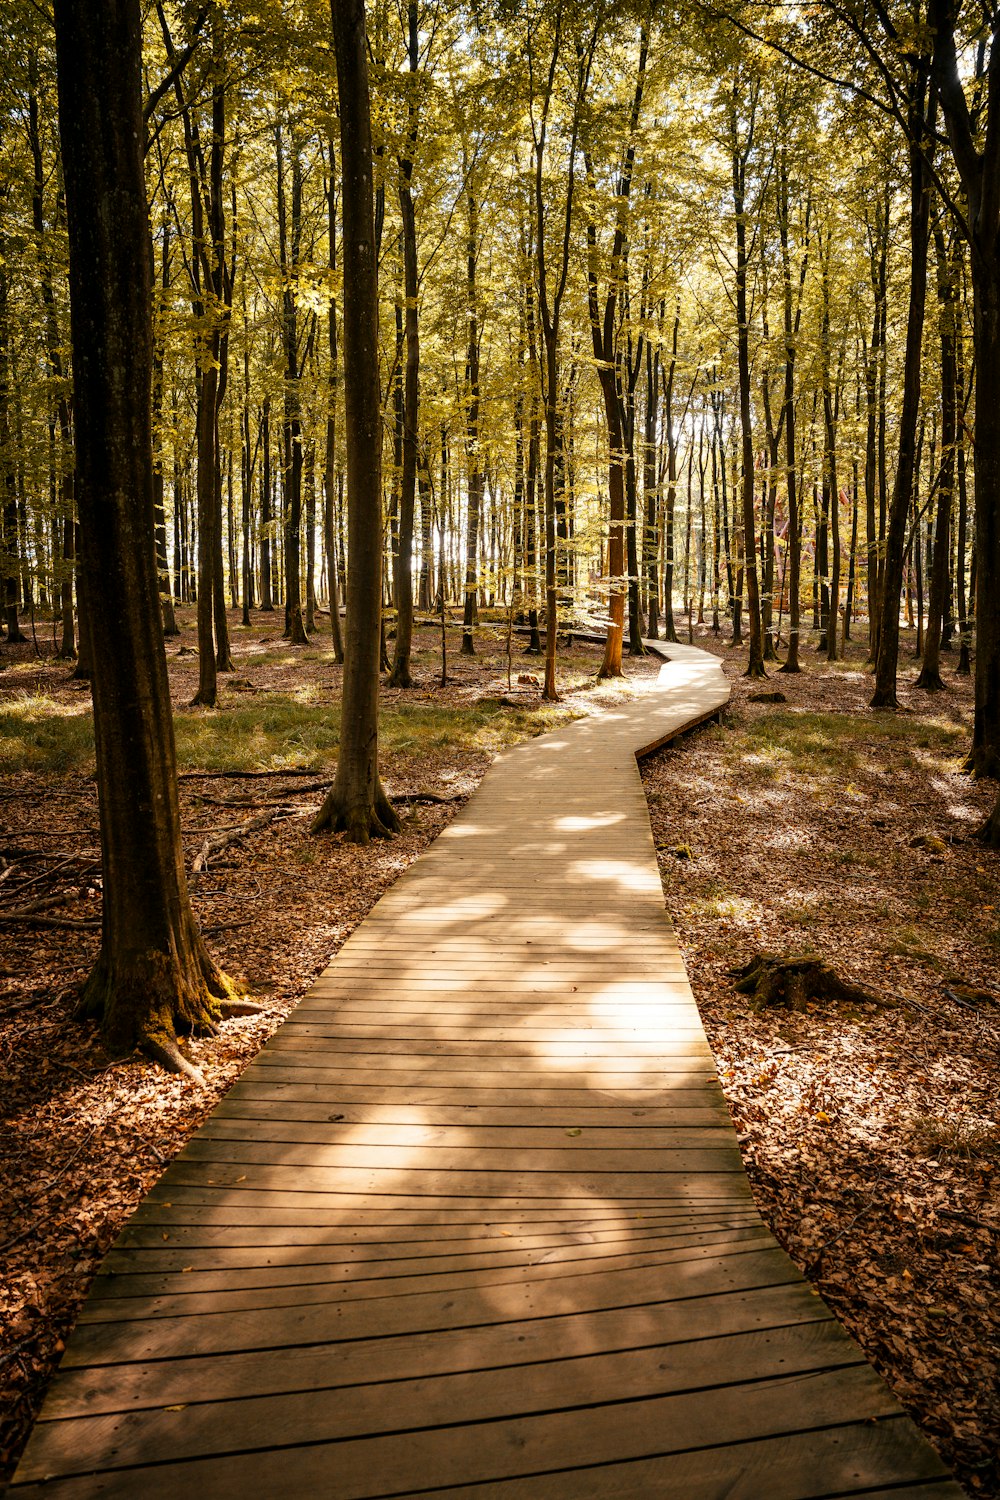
{"points": [[153, 978], [356, 802]]}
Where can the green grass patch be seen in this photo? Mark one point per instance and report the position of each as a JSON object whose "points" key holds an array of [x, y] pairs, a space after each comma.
{"points": [[824, 746], [295, 730], [272, 732], [37, 733]]}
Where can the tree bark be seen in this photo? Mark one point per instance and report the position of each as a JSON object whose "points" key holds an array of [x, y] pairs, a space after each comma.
{"points": [[920, 131], [356, 802], [153, 977], [400, 675]]}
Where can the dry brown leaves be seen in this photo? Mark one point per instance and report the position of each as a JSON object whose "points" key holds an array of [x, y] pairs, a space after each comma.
{"points": [[871, 1134]]}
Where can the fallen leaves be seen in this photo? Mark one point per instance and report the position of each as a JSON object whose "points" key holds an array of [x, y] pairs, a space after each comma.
{"points": [[873, 1149]]}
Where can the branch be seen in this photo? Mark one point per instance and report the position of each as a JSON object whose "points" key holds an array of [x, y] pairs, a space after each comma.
{"points": [[180, 62]]}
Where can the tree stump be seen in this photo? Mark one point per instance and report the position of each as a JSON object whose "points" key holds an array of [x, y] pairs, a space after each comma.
{"points": [[795, 980]]}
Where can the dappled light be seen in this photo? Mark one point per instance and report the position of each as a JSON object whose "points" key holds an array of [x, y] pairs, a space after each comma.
{"points": [[478, 1203]]}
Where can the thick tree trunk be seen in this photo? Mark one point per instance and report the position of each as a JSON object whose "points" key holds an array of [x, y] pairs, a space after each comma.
{"points": [[289, 255], [266, 566], [153, 977], [400, 675], [651, 495], [206, 433], [611, 666], [356, 802]]}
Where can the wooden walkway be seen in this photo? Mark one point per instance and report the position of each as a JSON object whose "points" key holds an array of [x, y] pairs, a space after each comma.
{"points": [[475, 1222]]}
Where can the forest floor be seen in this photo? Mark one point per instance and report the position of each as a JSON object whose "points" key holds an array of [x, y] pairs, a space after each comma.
{"points": [[870, 1131]]}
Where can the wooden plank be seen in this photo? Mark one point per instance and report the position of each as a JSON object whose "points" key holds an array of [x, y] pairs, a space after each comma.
{"points": [[422, 1180], [341, 1201], [312, 1102], [568, 1156], [496, 1055], [184, 1228], [400, 1463], [491, 1073], [848, 1459], [182, 1252], [461, 1033], [325, 1414], [310, 1322], [324, 1286], [117, 1283], [426, 1355], [424, 1092], [472, 1132]]}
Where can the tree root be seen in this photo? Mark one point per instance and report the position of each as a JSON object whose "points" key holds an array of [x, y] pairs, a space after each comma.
{"points": [[989, 832], [361, 821], [152, 997], [165, 1051], [794, 981], [231, 1008]]}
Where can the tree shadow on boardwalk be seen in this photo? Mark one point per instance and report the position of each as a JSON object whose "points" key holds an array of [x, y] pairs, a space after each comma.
{"points": [[475, 1219]]}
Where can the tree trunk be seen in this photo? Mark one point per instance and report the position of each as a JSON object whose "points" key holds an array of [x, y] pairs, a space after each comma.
{"points": [[755, 665], [400, 675], [289, 255], [330, 463], [153, 977], [921, 133], [475, 481], [356, 802]]}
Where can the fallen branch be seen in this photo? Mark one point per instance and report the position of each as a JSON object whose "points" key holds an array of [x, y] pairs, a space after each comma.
{"points": [[222, 841], [44, 903], [962, 1218], [425, 797], [278, 796], [54, 870], [43, 921]]}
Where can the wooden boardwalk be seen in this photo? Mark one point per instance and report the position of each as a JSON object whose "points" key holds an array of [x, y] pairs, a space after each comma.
{"points": [[475, 1222]]}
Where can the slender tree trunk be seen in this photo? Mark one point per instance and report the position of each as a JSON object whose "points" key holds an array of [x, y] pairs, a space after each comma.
{"points": [[755, 665], [947, 291], [330, 464], [921, 132], [400, 675], [356, 802]]}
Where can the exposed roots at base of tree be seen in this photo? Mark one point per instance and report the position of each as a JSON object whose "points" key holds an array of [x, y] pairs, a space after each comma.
{"points": [[794, 981], [165, 1051], [989, 832], [359, 822], [880, 699], [151, 1001]]}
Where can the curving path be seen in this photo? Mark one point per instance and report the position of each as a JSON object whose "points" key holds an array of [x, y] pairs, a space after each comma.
{"points": [[475, 1222]]}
